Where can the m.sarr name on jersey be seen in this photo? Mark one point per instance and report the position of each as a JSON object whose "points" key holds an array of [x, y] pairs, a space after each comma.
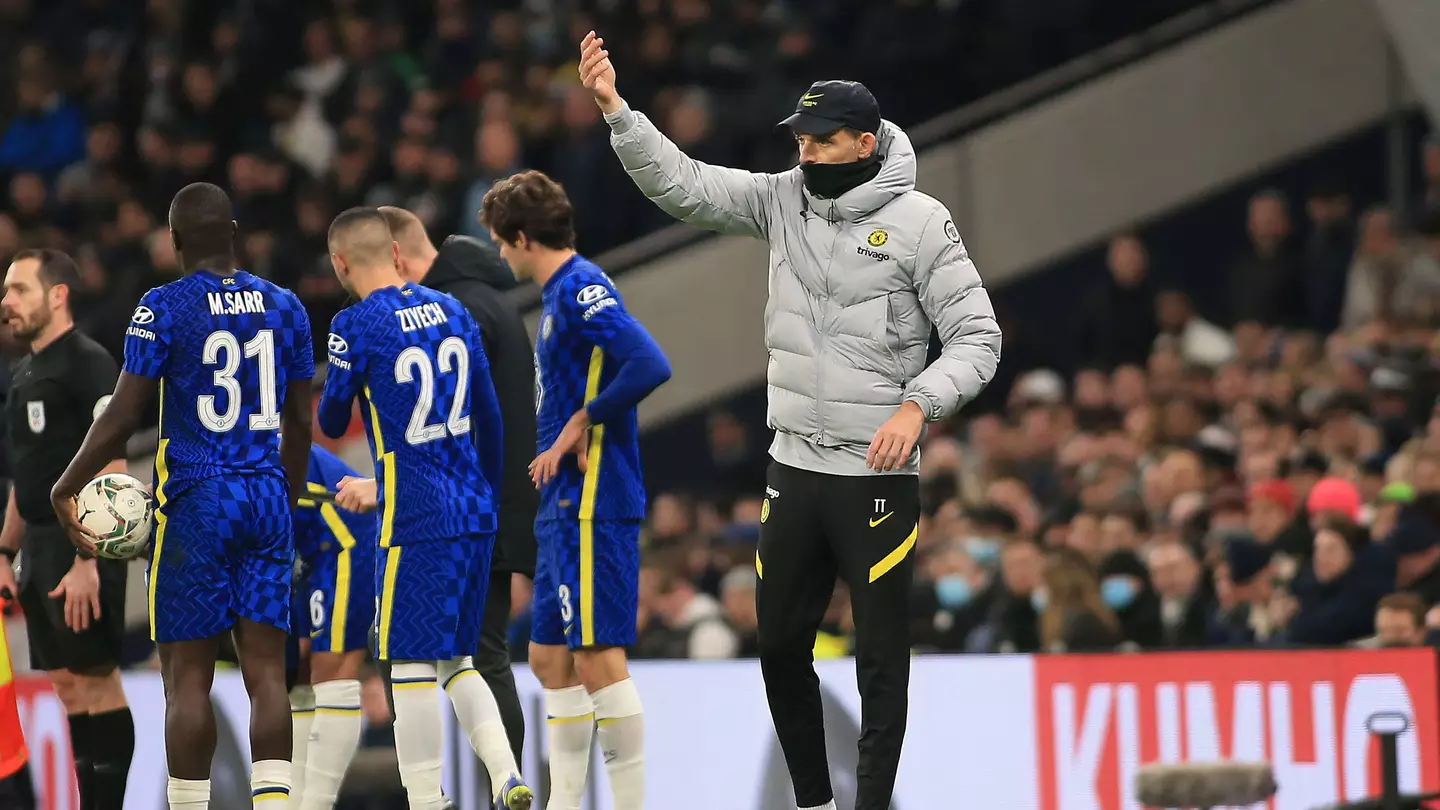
{"points": [[239, 302], [418, 317]]}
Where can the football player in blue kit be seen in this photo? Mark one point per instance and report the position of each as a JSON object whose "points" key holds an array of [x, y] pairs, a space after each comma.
{"points": [[333, 607], [230, 357], [595, 364], [415, 359]]}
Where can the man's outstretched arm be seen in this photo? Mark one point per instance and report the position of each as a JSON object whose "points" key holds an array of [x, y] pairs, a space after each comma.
{"points": [[729, 201]]}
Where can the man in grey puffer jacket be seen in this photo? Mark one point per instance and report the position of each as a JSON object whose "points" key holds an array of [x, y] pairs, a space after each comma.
{"points": [[861, 266]]}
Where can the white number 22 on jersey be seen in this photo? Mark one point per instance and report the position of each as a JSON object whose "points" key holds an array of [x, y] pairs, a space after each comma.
{"points": [[223, 349], [413, 364]]}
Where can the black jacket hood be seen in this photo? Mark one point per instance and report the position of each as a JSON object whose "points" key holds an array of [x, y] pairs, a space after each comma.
{"points": [[464, 257]]}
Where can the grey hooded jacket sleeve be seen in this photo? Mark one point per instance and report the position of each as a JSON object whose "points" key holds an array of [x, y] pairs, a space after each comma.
{"points": [[729, 201]]}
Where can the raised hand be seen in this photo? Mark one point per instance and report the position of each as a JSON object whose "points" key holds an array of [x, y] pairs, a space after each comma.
{"points": [[597, 74]]}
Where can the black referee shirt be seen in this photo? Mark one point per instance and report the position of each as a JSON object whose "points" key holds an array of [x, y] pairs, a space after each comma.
{"points": [[54, 396]]}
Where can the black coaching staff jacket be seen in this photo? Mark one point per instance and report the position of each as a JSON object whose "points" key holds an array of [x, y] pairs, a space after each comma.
{"points": [[474, 273]]}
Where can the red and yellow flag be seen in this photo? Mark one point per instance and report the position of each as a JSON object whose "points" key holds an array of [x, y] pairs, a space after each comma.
{"points": [[13, 752]]}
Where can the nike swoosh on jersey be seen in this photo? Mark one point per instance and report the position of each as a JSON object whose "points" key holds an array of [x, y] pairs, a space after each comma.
{"points": [[877, 521]]}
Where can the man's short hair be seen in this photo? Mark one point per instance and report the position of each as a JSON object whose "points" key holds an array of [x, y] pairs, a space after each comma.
{"points": [[405, 228], [1406, 602], [533, 204], [362, 236], [55, 267], [201, 207]]}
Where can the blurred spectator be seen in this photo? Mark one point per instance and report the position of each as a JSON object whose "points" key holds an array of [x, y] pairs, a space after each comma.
{"points": [[1392, 281], [1338, 591], [1264, 280], [1013, 622], [1073, 615], [1184, 606], [952, 599], [1252, 611], [497, 156], [1415, 541], [737, 596], [696, 623], [1117, 317], [1194, 339], [1328, 253], [1126, 588], [47, 132], [1333, 499], [1399, 622]]}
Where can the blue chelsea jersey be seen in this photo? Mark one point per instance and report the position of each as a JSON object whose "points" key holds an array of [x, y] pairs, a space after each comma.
{"points": [[414, 358], [224, 348], [583, 317]]}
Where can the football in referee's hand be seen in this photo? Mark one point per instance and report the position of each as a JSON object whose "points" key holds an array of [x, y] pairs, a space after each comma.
{"points": [[118, 510]]}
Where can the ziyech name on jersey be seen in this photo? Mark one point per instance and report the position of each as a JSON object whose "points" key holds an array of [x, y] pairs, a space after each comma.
{"points": [[240, 302], [415, 318]]}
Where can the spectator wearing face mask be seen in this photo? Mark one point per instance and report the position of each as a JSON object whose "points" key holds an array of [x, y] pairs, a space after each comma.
{"points": [[1184, 606], [986, 526], [951, 600], [1339, 589], [1125, 588]]}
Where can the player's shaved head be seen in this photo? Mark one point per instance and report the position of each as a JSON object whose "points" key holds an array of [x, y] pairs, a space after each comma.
{"points": [[202, 227], [362, 238], [407, 230], [363, 252]]}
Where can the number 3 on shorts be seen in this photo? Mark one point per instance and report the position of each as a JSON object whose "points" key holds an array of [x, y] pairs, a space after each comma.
{"points": [[317, 610], [567, 613]]}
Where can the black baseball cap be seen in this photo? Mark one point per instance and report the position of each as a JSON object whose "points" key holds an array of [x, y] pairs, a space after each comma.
{"points": [[828, 106]]}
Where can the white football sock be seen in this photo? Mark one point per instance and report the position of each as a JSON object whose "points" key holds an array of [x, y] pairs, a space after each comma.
{"points": [[479, 715], [333, 742], [419, 734], [270, 783], [830, 805], [622, 740], [188, 794], [302, 714], [570, 725]]}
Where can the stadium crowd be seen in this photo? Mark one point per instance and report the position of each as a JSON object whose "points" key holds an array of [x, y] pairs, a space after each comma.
{"points": [[1268, 476]]}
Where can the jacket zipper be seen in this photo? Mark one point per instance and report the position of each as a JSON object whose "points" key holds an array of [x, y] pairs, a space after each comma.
{"points": [[895, 353], [824, 326]]}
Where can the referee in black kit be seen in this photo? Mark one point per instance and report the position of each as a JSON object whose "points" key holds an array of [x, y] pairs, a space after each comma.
{"points": [[477, 277], [74, 606], [862, 266]]}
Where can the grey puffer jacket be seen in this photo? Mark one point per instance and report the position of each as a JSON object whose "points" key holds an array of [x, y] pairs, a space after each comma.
{"points": [[855, 284]]}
